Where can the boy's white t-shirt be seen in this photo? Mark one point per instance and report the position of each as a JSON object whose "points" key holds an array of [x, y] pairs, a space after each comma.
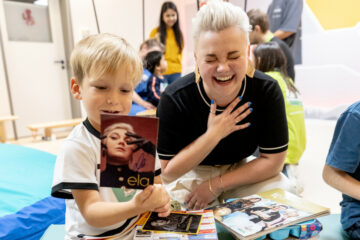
{"points": [[78, 167]]}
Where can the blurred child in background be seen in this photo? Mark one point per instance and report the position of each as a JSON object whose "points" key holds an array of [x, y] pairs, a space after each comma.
{"points": [[269, 58], [156, 64]]}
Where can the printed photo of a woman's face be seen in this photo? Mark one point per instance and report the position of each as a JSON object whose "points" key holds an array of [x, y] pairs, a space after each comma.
{"points": [[119, 152]]}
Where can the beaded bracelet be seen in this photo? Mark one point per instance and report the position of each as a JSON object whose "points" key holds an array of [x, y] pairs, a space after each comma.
{"points": [[210, 188]]}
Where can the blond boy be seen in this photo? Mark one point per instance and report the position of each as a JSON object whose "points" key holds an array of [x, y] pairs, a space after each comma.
{"points": [[106, 70]]}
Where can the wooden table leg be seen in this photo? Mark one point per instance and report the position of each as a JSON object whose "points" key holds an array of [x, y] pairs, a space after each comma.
{"points": [[47, 133], [2, 132]]}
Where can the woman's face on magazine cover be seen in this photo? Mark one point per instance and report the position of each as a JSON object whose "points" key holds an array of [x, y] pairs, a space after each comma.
{"points": [[117, 147], [159, 222]]}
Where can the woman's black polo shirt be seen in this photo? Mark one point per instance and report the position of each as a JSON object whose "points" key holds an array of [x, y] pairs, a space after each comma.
{"points": [[184, 109]]}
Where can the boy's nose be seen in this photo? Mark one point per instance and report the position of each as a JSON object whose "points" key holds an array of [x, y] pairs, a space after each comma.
{"points": [[112, 101]]}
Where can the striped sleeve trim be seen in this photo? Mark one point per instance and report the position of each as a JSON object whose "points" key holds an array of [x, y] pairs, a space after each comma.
{"points": [[130, 223], [163, 156], [157, 172], [60, 190], [274, 149]]}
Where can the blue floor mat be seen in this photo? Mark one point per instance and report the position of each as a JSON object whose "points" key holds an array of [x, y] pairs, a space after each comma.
{"points": [[26, 208]]}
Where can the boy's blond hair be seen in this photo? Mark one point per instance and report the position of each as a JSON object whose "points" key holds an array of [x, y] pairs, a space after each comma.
{"points": [[102, 54]]}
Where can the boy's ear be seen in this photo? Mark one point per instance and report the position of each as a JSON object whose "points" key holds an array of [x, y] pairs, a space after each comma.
{"points": [[75, 88]]}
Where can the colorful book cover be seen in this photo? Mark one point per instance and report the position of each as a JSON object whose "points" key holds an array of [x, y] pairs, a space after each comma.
{"points": [[188, 223], [206, 229], [257, 215], [128, 146]]}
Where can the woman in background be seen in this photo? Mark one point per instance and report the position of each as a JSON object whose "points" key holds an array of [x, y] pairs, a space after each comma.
{"points": [[169, 33]]}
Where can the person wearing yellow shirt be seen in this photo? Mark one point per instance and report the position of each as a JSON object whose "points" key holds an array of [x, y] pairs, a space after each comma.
{"points": [[169, 33], [270, 59]]}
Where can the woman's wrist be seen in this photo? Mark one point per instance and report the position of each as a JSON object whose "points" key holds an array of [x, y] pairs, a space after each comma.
{"points": [[216, 186], [212, 136]]}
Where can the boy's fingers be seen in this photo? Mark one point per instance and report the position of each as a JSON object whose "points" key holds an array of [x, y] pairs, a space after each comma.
{"points": [[147, 191], [163, 208], [164, 213]]}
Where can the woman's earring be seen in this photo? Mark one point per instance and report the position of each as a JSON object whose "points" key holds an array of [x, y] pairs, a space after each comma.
{"points": [[251, 69], [197, 75]]}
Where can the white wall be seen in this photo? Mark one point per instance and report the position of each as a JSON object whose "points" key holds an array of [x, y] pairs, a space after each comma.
{"points": [[4, 99], [330, 73], [121, 17], [82, 19]]}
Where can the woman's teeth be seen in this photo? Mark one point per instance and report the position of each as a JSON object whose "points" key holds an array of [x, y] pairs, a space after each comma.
{"points": [[223, 79]]}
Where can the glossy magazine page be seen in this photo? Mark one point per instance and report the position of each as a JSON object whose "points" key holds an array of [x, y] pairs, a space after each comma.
{"points": [[257, 215], [128, 146]]}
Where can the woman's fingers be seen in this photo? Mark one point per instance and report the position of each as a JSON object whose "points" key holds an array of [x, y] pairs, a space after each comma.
{"points": [[232, 105], [241, 109], [242, 126], [212, 112], [242, 115]]}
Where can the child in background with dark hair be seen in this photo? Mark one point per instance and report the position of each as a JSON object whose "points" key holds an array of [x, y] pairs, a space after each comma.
{"points": [[155, 63], [169, 33], [269, 58], [139, 104]]}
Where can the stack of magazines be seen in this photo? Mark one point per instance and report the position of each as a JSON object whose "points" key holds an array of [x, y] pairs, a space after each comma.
{"points": [[268, 213]]}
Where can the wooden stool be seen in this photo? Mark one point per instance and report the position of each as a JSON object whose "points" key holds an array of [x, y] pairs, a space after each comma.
{"points": [[2, 126], [48, 127], [147, 113]]}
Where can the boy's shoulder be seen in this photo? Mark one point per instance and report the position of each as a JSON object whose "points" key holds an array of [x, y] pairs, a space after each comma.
{"points": [[352, 112], [80, 137], [354, 108]]}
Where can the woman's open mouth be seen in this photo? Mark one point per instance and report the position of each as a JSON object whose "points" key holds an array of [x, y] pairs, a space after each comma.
{"points": [[224, 79]]}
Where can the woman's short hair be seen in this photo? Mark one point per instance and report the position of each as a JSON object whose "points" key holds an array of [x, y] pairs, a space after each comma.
{"points": [[121, 125], [218, 15], [105, 53]]}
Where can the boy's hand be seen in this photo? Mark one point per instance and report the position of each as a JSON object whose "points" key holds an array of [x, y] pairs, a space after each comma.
{"points": [[153, 198], [163, 211]]}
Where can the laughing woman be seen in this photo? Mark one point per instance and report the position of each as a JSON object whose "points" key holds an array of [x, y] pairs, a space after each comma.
{"points": [[213, 120]]}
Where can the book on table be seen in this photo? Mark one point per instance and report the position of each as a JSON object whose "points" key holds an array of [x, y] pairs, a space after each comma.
{"points": [[128, 146], [179, 225], [257, 215]]}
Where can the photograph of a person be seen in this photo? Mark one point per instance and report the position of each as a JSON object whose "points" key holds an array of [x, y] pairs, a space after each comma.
{"points": [[253, 214], [176, 222], [127, 151]]}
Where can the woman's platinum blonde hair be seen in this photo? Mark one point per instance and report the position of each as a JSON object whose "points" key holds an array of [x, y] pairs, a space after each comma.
{"points": [[105, 53], [216, 16], [121, 125]]}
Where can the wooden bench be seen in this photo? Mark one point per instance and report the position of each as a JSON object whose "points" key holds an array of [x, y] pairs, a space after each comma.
{"points": [[147, 113], [48, 127], [2, 126]]}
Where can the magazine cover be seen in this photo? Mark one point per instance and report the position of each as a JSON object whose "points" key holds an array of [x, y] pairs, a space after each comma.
{"points": [[188, 223], [257, 215], [128, 146], [207, 229]]}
